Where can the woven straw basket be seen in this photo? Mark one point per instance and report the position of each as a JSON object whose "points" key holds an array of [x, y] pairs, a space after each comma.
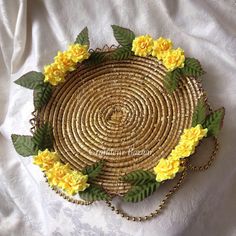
{"points": [[119, 111]]}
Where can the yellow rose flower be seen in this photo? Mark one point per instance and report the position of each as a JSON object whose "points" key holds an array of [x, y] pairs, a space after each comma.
{"points": [[53, 74], [142, 45], [78, 52], [174, 59], [46, 159], [167, 169], [183, 149], [160, 47], [64, 61], [74, 182], [57, 172], [193, 134]]}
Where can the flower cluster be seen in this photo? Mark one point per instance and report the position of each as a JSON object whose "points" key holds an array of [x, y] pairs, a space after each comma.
{"points": [[60, 175], [161, 48], [64, 62], [169, 167]]}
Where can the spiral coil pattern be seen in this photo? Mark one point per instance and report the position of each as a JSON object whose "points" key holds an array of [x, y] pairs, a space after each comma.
{"points": [[119, 111]]}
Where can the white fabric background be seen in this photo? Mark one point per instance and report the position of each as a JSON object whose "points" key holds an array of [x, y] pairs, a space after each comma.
{"points": [[31, 32]]}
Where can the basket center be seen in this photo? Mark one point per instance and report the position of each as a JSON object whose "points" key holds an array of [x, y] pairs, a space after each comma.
{"points": [[116, 115]]}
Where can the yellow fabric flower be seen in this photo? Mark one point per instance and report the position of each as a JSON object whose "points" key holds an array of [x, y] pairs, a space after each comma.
{"points": [[167, 169], [57, 172], [183, 149], [74, 182], [193, 134], [53, 74], [142, 45], [46, 159], [160, 47], [78, 52], [174, 59], [64, 61]]}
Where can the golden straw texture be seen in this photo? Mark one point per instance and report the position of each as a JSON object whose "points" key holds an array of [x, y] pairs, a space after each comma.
{"points": [[119, 111]]}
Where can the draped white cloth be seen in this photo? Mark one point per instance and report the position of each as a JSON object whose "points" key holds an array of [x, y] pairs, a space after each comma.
{"points": [[31, 32]]}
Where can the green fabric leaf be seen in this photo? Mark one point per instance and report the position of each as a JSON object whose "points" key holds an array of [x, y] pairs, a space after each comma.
{"points": [[42, 94], [139, 177], [139, 192], [31, 79], [96, 58], [94, 193], [121, 53], [192, 67], [214, 122], [43, 137], [24, 145], [93, 170], [199, 114], [83, 37], [171, 80], [123, 36]]}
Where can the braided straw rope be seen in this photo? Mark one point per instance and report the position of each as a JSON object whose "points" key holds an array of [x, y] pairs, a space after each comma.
{"points": [[119, 111]]}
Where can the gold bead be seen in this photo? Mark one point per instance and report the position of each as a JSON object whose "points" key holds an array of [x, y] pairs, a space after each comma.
{"points": [[163, 202]]}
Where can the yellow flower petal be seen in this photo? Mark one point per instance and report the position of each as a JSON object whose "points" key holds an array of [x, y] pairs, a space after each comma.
{"points": [[142, 45], [78, 52], [74, 182], [183, 149], [174, 59], [167, 169], [53, 74], [57, 172], [194, 134], [46, 159], [64, 61], [160, 47]]}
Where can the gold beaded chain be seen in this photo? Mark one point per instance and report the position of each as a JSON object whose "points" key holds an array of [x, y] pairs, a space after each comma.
{"points": [[167, 197], [157, 211], [210, 161]]}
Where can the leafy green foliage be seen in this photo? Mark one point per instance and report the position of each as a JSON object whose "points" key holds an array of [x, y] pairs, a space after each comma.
{"points": [[42, 94], [139, 192], [139, 177], [199, 114], [43, 137], [24, 145], [83, 37], [121, 53], [214, 122], [93, 170], [96, 58], [94, 193], [123, 36], [31, 80], [171, 80], [192, 67]]}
